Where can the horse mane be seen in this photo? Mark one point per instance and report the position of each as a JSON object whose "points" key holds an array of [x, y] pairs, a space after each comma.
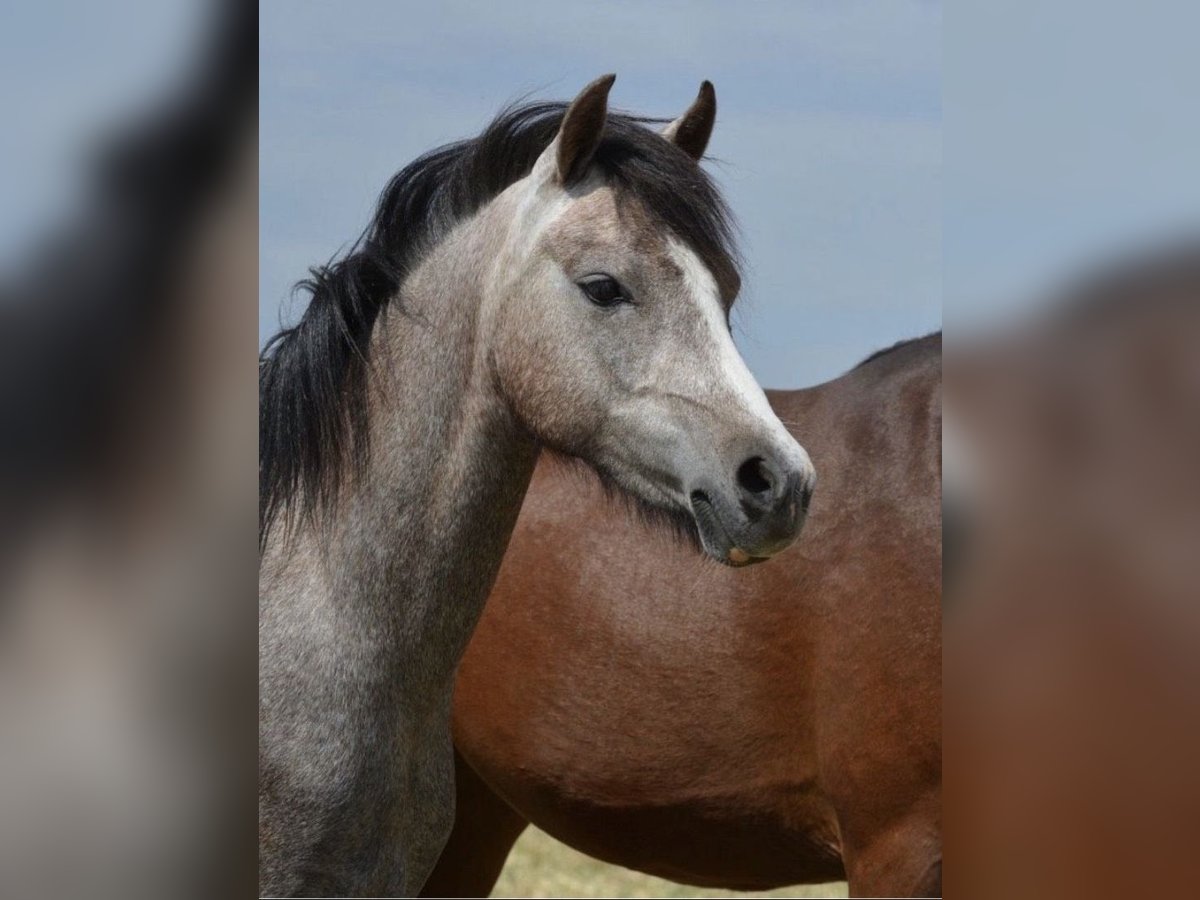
{"points": [[933, 338], [312, 377]]}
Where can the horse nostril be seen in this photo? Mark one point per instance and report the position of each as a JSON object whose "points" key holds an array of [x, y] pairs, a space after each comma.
{"points": [[754, 477]]}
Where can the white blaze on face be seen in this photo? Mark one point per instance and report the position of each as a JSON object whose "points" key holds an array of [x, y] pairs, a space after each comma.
{"points": [[538, 207], [735, 375]]}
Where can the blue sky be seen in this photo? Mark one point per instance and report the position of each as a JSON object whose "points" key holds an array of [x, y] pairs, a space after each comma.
{"points": [[1072, 136], [1069, 133], [70, 73], [828, 132]]}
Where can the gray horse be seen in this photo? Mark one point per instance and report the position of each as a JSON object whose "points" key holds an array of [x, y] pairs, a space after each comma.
{"points": [[561, 282]]}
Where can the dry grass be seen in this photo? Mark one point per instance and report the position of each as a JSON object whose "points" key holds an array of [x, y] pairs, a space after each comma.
{"points": [[542, 867]]}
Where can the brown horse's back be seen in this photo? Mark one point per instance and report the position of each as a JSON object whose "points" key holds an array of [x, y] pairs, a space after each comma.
{"points": [[742, 728]]}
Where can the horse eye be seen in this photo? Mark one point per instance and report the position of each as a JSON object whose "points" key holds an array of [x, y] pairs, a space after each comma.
{"points": [[603, 291]]}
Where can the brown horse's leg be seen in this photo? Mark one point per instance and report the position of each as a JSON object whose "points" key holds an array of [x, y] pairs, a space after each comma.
{"points": [[894, 869], [485, 829], [902, 860]]}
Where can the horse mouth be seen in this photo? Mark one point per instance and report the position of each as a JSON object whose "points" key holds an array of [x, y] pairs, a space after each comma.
{"points": [[715, 537]]}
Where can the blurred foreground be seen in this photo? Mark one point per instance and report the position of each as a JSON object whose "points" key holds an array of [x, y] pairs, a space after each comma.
{"points": [[127, 522], [1072, 571]]}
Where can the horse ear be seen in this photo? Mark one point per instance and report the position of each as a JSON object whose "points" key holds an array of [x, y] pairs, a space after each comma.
{"points": [[579, 135], [691, 131]]}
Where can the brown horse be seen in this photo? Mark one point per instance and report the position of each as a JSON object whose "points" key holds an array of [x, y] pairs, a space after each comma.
{"points": [[743, 729]]}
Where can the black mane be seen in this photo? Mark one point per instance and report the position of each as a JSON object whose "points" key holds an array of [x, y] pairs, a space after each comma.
{"points": [[934, 337], [312, 377]]}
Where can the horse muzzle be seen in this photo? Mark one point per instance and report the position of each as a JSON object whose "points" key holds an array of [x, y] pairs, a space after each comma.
{"points": [[759, 513]]}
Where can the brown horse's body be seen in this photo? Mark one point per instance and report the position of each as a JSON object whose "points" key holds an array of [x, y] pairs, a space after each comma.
{"points": [[737, 728]]}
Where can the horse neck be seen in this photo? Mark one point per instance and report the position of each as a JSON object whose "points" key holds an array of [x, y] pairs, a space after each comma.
{"points": [[419, 536]]}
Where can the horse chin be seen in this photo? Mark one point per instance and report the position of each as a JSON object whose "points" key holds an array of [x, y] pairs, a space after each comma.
{"points": [[654, 508], [714, 537]]}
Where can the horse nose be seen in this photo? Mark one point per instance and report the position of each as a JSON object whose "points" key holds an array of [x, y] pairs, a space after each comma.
{"points": [[769, 488]]}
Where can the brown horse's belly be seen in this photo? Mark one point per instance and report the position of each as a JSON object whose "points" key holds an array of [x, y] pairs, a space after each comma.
{"points": [[733, 842], [650, 730]]}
